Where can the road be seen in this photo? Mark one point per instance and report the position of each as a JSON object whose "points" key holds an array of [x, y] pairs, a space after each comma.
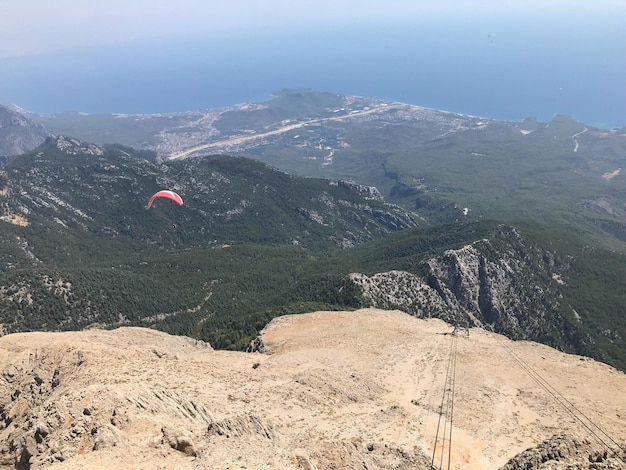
{"points": [[242, 139]]}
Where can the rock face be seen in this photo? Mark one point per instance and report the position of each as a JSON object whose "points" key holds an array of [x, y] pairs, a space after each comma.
{"points": [[44, 419], [563, 452], [334, 390], [370, 192], [504, 284], [404, 291], [18, 133]]}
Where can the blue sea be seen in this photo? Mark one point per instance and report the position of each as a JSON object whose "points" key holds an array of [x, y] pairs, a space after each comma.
{"points": [[497, 67]]}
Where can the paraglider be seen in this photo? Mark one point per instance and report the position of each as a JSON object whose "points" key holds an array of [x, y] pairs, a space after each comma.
{"points": [[166, 194]]}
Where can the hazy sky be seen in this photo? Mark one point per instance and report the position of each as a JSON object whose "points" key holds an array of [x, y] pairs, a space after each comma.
{"points": [[505, 59], [30, 27]]}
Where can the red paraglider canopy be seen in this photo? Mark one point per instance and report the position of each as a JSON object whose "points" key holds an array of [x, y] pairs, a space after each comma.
{"points": [[167, 194]]}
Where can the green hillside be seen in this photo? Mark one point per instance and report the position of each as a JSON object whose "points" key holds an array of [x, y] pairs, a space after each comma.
{"points": [[79, 249], [79, 246]]}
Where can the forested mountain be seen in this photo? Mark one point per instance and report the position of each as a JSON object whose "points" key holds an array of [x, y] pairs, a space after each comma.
{"points": [[447, 166], [79, 249], [515, 227]]}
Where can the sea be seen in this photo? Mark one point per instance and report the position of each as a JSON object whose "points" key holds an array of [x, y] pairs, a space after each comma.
{"points": [[487, 65]]}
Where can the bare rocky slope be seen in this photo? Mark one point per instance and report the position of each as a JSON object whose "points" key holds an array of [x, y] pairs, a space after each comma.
{"points": [[19, 133], [331, 390], [507, 284]]}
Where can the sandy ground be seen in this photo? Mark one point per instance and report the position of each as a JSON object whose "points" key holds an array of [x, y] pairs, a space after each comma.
{"points": [[337, 390]]}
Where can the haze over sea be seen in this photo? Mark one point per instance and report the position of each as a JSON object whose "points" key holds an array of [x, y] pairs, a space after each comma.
{"points": [[488, 65]]}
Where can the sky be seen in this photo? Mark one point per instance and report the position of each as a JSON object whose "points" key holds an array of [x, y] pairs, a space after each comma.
{"points": [[29, 27], [504, 59]]}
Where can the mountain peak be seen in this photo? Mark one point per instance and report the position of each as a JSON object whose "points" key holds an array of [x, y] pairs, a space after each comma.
{"points": [[362, 388], [19, 133]]}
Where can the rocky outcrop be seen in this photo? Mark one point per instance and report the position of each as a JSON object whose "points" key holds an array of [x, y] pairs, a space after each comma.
{"points": [[242, 426], [369, 192], [256, 346], [73, 146], [565, 452], [404, 291], [372, 455], [18, 133], [504, 283]]}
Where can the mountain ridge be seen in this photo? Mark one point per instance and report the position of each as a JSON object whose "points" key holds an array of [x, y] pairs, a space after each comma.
{"points": [[360, 387], [253, 242], [447, 166]]}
